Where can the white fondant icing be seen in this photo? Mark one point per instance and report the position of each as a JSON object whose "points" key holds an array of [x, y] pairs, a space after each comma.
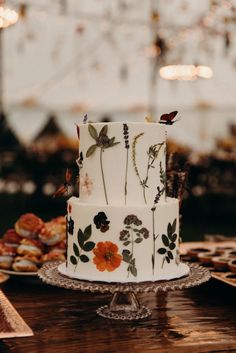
{"points": [[117, 160], [166, 212], [122, 174]]}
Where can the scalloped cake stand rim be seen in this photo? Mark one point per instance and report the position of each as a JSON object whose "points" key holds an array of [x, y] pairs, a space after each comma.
{"points": [[197, 275], [50, 274]]}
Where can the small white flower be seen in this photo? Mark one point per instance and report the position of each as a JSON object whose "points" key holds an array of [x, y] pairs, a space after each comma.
{"points": [[86, 184]]}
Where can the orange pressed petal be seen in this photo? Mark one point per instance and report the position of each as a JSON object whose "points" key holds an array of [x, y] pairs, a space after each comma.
{"points": [[101, 247], [100, 264], [110, 267], [116, 260], [113, 247]]}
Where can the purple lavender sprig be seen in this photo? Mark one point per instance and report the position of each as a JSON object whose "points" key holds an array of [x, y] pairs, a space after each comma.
{"points": [[126, 139]]}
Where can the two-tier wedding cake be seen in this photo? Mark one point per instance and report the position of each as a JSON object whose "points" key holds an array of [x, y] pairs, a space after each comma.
{"points": [[123, 228]]}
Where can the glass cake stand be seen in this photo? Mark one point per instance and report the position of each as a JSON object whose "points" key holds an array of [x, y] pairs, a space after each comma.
{"points": [[124, 304]]}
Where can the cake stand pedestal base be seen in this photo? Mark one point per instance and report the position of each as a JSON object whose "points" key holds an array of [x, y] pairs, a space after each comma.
{"points": [[124, 307], [124, 304]]}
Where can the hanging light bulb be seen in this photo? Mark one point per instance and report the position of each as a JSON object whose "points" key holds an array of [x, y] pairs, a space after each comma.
{"points": [[8, 17], [185, 72]]}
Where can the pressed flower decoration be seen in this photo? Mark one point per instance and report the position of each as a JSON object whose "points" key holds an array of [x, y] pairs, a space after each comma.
{"points": [[82, 246], [107, 257], [102, 142], [126, 139], [101, 222], [169, 242], [66, 187], [152, 153], [70, 226], [131, 236], [160, 192], [86, 184]]}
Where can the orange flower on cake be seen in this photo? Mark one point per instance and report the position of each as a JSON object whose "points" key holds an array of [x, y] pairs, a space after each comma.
{"points": [[106, 256]]}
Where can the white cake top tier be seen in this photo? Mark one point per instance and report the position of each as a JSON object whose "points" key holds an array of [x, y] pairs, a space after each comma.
{"points": [[122, 163]]}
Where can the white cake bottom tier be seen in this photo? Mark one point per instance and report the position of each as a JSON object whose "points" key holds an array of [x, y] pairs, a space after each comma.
{"points": [[123, 244]]}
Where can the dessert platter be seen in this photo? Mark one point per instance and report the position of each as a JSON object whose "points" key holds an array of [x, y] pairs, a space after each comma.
{"points": [[31, 243], [123, 230], [218, 257]]}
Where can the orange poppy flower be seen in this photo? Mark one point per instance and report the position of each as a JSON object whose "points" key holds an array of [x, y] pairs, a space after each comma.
{"points": [[106, 256]]}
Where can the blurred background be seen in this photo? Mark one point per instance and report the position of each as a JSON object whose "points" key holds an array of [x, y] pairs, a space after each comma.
{"points": [[117, 60]]}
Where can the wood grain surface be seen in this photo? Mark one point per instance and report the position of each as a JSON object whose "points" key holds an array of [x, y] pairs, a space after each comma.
{"points": [[11, 323], [200, 319]]}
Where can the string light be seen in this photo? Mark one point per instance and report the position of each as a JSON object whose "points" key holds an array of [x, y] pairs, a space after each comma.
{"points": [[185, 72], [8, 17]]}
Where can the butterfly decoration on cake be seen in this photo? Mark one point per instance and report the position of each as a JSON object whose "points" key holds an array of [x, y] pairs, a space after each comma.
{"points": [[65, 188], [168, 118]]}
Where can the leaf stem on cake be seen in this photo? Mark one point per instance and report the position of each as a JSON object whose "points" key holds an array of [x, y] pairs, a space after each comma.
{"points": [[103, 142], [153, 152], [169, 243], [82, 245], [160, 192], [131, 236], [103, 178]]}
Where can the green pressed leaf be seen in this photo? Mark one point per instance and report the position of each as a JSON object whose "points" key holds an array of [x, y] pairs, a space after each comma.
{"points": [[173, 237], [161, 251], [84, 258], [165, 240], [73, 260], [134, 271], [111, 140], [103, 130], [88, 246], [91, 150], [167, 259], [170, 255], [92, 131], [174, 226], [87, 232], [126, 243], [126, 255], [76, 249], [172, 246], [138, 240], [113, 144], [169, 230], [80, 238]]}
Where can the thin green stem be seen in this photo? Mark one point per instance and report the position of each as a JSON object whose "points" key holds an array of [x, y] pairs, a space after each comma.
{"points": [[126, 173], [154, 240], [132, 247], [103, 178], [145, 180]]}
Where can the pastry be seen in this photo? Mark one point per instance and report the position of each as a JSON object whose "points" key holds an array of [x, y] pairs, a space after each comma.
{"points": [[11, 238], [52, 233], [30, 247], [53, 256], [6, 262], [28, 225], [24, 264]]}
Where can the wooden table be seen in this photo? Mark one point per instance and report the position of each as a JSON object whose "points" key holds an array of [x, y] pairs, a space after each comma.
{"points": [[200, 319]]}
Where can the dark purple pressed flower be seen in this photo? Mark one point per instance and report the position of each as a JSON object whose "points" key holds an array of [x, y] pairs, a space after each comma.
{"points": [[144, 232], [101, 222], [70, 226], [132, 219], [124, 235]]}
